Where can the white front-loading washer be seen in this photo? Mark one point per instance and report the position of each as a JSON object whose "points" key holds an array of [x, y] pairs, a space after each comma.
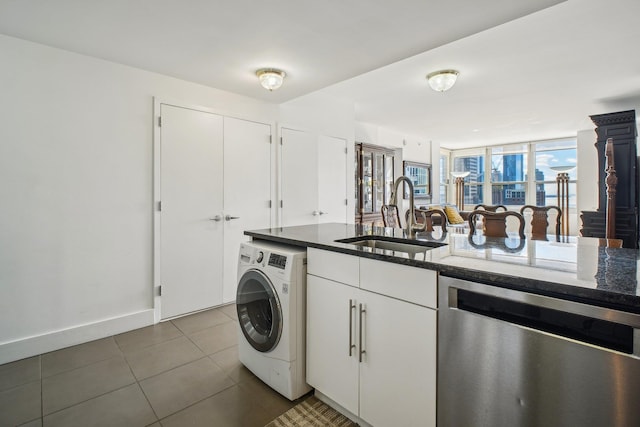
{"points": [[271, 305]]}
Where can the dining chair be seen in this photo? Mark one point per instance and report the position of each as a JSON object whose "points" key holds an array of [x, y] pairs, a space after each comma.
{"points": [[391, 216], [539, 220], [491, 208], [610, 243], [495, 223], [423, 216]]}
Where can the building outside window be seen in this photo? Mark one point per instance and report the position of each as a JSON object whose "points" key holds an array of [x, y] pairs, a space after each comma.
{"points": [[517, 174], [553, 157], [473, 184], [509, 175]]}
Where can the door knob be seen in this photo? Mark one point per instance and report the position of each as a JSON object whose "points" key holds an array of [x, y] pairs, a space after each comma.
{"points": [[216, 218], [229, 217]]}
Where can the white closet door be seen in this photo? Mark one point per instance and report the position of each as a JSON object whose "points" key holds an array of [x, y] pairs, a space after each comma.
{"points": [[332, 179], [247, 190], [299, 178], [191, 195]]}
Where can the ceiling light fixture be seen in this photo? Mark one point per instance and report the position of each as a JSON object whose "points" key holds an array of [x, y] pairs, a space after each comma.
{"points": [[442, 80], [271, 78]]}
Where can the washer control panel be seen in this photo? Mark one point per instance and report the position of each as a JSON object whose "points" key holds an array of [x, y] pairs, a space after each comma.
{"points": [[278, 261]]}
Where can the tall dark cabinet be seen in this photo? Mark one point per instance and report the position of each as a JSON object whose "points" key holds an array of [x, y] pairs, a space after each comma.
{"points": [[620, 126], [374, 182]]}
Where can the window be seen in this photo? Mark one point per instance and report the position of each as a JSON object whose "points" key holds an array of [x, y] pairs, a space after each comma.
{"points": [[473, 183], [444, 176], [517, 174], [509, 175], [552, 158], [420, 176]]}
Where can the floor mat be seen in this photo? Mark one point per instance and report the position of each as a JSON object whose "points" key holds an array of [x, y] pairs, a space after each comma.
{"points": [[312, 412]]}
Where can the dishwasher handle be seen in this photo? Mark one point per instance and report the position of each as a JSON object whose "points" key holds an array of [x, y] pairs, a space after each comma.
{"points": [[608, 314], [603, 327]]}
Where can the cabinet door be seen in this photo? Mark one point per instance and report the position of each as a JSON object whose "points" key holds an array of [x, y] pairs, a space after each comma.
{"points": [[330, 368], [191, 251], [398, 373], [247, 190]]}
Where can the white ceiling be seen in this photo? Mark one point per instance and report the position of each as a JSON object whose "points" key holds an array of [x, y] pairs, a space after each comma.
{"points": [[529, 70]]}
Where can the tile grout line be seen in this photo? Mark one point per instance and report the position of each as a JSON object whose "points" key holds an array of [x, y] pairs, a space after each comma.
{"points": [[87, 400], [135, 379], [137, 382], [80, 366], [201, 400], [91, 398], [234, 384]]}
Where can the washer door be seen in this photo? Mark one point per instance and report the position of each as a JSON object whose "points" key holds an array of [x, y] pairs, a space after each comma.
{"points": [[259, 311]]}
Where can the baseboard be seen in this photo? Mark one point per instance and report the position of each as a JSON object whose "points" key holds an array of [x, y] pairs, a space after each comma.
{"points": [[55, 340]]}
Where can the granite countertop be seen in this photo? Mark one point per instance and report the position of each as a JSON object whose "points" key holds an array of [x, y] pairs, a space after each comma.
{"points": [[577, 269]]}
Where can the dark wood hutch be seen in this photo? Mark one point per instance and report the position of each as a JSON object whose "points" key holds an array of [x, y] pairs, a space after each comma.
{"points": [[620, 126], [374, 181]]}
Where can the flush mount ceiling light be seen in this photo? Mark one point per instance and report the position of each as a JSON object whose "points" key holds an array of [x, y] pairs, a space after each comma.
{"points": [[271, 78], [442, 80]]}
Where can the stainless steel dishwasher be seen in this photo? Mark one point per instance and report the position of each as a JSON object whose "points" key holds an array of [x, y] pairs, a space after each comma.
{"points": [[510, 358]]}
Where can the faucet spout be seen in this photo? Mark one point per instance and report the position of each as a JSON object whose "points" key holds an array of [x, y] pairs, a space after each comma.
{"points": [[412, 225]]}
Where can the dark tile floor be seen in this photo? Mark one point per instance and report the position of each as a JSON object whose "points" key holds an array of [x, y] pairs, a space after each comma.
{"points": [[183, 372]]}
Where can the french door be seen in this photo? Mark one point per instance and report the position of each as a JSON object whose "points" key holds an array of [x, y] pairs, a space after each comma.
{"points": [[215, 183]]}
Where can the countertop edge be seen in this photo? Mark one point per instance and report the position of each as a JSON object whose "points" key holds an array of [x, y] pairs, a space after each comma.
{"points": [[599, 297]]}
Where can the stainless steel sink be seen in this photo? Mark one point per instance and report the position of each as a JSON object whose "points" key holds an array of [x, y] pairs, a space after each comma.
{"points": [[407, 246]]}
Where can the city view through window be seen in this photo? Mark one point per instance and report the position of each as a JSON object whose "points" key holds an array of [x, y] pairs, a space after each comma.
{"points": [[504, 175]]}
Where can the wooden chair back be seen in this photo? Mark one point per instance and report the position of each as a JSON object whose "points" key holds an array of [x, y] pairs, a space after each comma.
{"points": [[491, 208], [610, 243], [423, 216], [495, 223], [540, 220], [391, 216]]}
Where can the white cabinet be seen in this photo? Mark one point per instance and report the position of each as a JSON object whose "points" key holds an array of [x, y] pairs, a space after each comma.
{"points": [[313, 178], [332, 364], [370, 353], [398, 371]]}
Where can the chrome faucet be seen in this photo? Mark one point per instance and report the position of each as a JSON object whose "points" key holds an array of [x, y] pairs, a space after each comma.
{"points": [[412, 225]]}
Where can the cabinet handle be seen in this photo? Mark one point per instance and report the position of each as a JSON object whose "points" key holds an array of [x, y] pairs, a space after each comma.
{"points": [[216, 218], [352, 307], [362, 350], [229, 217]]}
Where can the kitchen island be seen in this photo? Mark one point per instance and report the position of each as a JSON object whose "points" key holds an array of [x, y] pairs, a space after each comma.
{"points": [[524, 332], [578, 270]]}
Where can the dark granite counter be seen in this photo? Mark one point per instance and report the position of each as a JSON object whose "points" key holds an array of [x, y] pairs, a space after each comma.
{"points": [[577, 269]]}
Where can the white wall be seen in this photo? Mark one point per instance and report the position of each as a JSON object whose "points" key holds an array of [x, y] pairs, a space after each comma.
{"points": [[76, 173]]}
